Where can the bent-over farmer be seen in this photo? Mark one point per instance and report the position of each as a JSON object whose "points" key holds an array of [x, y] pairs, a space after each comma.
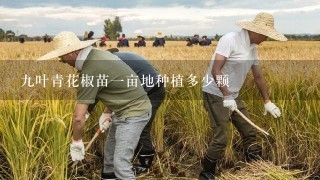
{"points": [[235, 55], [130, 104]]}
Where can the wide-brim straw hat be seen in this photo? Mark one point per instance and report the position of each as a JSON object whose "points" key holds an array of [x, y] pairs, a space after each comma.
{"points": [[64, 43], [263, 23], [159, 35]]}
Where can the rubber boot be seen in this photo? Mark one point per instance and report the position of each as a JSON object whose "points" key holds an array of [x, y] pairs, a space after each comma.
{"points": [[209, 169], [145, 163], [253, 155], [108, 176]]}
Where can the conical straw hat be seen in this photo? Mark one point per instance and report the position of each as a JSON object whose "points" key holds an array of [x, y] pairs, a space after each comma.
{"points": [[263, 23], [64, 43], [159, 35]]}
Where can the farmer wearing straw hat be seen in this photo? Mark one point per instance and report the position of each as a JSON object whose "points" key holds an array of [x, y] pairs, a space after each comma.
{"points": [[141, 42], [235, 55], [159, 41], [130, 104]]}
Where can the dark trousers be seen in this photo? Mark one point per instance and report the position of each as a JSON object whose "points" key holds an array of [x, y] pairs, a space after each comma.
{"points": [[145, 146], [221, 117]]}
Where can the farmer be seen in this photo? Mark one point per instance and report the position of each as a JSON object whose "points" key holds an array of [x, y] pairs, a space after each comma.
{"points": [[103, 41], [235, 55], [130, 104], [205, 41], [141, 42], [123, 41], [195, 39], [90, 37], [159, 41], [21, 39], [149, 77], [189, 42]]}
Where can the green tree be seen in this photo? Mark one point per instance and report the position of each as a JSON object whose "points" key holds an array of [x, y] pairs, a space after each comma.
{"points": [[10, 35], [2, 35], [106, 27], [117, 26], [217, 37], [109, 29], [112, 28], [113, 33]]}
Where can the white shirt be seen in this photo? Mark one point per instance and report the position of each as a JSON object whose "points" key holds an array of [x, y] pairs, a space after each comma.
{"points": [[241, 56], [82, 56]]}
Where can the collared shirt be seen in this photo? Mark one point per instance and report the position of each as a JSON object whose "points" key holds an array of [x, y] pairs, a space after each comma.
{"points": [[82, 56], [241, 56], [105, 79]]}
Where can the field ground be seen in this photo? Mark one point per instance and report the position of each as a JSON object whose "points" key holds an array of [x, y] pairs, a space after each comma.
{"points": [[35, 130]]}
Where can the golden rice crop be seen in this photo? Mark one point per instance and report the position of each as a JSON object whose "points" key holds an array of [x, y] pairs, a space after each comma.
{"points": [[35, 134]]}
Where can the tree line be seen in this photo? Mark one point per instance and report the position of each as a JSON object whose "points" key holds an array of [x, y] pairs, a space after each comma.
{"points": [[6, 35], [113, 28]]}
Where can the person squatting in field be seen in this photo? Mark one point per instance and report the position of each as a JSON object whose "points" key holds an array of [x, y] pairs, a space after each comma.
{"points": [[131, 105], [141, 42], [150, 79], [123, 41], [235, 55], [159, 41]]}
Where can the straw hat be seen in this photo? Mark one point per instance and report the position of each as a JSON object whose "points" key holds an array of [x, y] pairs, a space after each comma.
{"points": [[263, 23], [159, 35], [64, 43]]}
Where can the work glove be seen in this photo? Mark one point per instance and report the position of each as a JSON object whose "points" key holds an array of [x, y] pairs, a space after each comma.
{"points": [[272, 109], [229, 102], [77, 150], [105, 121], [86, 116]]}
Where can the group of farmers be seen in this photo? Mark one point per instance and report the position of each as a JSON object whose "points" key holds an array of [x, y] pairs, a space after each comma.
{"points": [[159, 41], [130, 111]]}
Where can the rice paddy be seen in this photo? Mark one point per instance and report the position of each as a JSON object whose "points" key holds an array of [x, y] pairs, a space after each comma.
{"points": [[35, 123]]}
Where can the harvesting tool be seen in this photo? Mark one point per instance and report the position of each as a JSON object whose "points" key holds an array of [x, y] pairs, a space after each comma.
{"points": [[250, 122]]}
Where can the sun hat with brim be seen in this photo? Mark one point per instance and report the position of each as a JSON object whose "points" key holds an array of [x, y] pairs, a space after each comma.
{"points": [[64, 43], [159, 35], [263, 23]]}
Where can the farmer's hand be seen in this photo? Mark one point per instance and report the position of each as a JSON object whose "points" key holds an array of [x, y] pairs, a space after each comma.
{"points": [[77, 150], [105, 121], [272, 109], [229, 102]]}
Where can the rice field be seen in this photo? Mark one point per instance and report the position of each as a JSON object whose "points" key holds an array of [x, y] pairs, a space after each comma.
{"points": [[35, 123]]}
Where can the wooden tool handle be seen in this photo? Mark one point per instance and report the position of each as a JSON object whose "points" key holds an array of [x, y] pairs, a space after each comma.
{"points": [[250, 122]]}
